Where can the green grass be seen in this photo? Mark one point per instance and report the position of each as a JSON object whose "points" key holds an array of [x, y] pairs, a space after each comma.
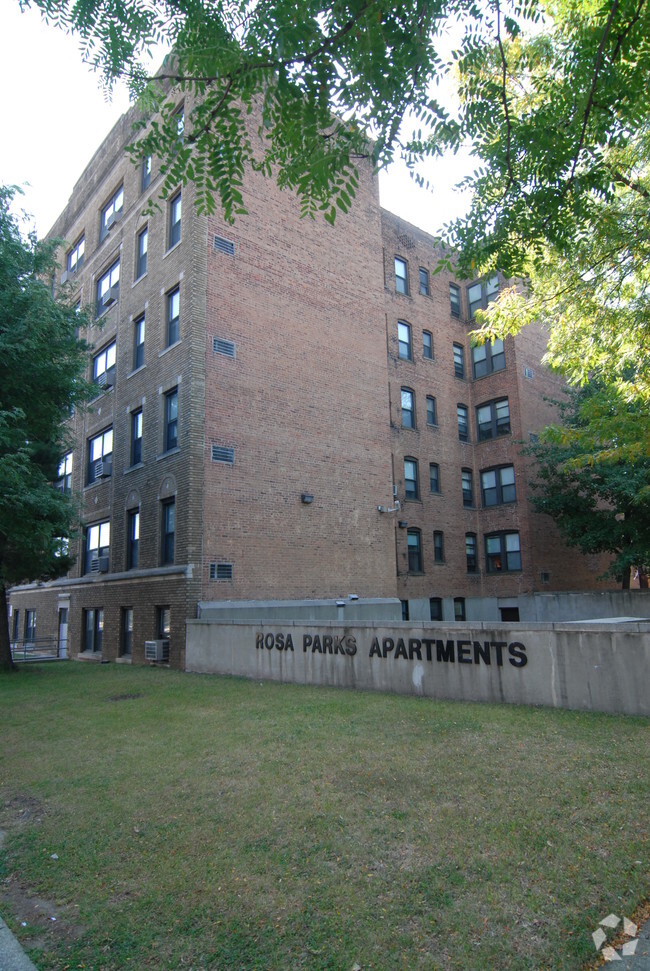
{"points": [[205, 822]]}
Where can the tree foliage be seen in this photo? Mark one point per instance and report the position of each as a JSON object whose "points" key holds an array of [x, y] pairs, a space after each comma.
{"points": [[553, 96], [41, 367], [601, 505]]}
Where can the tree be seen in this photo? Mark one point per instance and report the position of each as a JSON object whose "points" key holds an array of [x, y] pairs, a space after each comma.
{"points": [[553, 96], [600, 505], [41, 368]]}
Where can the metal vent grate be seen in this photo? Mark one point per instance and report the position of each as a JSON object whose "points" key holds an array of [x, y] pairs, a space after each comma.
{"points": [[224, 245], [406, 241], [221, 571], [221, 453], [221, 346]]}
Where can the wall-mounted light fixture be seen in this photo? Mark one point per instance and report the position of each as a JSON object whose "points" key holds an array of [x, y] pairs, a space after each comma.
{"points": [[306, 498]]}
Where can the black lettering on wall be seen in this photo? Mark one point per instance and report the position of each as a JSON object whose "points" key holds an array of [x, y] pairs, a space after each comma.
{"points": [[444, 652], [498, 647], [328, 640], [415, 648], [400, 649], [259, 641], [351, 645], [482, 652], [428, 643], [388, 644], [517, 653], [375, 650], [316, 645], [464, 652]]}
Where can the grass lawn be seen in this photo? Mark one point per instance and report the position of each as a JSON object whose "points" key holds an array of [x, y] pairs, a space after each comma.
{"points": [[176, 821]]}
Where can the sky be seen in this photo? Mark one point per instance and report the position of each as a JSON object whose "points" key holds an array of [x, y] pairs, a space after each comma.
{"points": [[60, 116]]}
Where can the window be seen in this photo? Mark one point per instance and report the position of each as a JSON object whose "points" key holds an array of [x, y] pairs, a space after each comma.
{"points": [[459, 608], [467, 480], [434, 477], [104, 366], [479, 295], [463, 422], [438, 546], [454, 299], [173, 315], [404, 340], [171, 420], [180, 123], [93, 630], [405, 609], [498, 485], [408, 408], [108, 288], [431, 410], [126, 647], [459, 360], [30, 626], [488, 357], [414, 546], [168, 531], [174, 220], [427, 345], [401, 276], [138, 343], [221, 571], [163, 622], [141, 254], [493, 419], [98, 541], [111, 213], [64, 482], [136, 437], [470, 552], [146, 172], [424, 281], [435, 608], [16, 631], [75, 256], [133, 539], [411, 488], [502, 552], [100, 456]]}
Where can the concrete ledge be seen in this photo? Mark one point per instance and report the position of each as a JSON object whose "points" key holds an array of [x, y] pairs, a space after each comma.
{"points": [[588, 666]]}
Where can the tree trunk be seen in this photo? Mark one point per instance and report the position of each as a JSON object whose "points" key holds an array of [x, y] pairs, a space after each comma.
{"points": [[6, 660]]}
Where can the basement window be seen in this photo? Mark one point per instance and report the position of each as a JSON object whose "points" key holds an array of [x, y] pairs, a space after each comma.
{"points": [[221, 571]]}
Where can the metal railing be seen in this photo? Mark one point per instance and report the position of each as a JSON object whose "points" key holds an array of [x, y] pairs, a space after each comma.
{"points": [[36, 649]]}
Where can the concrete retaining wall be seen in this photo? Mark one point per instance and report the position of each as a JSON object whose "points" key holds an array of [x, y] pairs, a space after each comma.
{"points": [[593, 667]]}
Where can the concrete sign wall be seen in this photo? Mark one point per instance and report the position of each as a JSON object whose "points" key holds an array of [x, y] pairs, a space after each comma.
{"points": [[593, 667]]}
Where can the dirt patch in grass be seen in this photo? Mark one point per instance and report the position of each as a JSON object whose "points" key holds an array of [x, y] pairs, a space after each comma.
{"points": [[40, 922]]}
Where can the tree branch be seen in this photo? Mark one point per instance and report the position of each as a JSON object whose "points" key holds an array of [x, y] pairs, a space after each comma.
{"points": [[504, 98]]}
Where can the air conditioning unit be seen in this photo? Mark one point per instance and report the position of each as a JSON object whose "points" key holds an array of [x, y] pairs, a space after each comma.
{"points": [[101, 379], [99, 564], [110, 377], [110, 297], [106, 467], [156, 650], [64, 277]]}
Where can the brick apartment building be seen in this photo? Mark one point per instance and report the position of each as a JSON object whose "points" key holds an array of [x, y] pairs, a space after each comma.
{"points": [[262, 390]]}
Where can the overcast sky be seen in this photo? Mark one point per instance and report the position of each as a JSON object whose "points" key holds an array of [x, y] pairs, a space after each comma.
{"points": [[56, 116]]}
